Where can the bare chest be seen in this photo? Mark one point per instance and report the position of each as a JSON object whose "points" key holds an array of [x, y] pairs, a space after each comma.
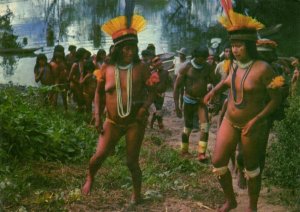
{"points": [[247, 82], [123, 80]]}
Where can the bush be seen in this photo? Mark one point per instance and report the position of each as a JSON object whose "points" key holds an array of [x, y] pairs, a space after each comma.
{"points": [[283, 158], [31, 131]]}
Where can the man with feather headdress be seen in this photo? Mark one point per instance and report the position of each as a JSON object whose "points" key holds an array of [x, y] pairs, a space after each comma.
{"points": [[125, 90]]}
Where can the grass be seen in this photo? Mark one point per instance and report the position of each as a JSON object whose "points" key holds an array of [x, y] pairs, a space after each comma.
{"points": [[41, 186]]}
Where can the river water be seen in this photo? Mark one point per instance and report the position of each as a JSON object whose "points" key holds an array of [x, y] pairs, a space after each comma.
{"points": [[171, 24]]}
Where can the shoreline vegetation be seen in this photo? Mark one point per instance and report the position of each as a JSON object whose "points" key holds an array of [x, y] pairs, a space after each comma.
{"points": [[44, 153]]}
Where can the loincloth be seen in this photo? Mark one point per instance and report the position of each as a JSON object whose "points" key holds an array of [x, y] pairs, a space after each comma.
{"points": [[241, 127], [235, 126], [190, 100], [123, 127]]}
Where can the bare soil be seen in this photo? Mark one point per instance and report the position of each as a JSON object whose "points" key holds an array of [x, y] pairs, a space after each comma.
{"points": [[173, 129], [118, 200]]}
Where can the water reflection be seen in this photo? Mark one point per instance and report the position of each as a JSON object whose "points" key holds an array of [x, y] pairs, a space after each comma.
{"points": [[172, 24], [9, 64]]}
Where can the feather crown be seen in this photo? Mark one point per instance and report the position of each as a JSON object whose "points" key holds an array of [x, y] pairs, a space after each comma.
{"points": [[117, 27], [236, 21], [238, 25]]}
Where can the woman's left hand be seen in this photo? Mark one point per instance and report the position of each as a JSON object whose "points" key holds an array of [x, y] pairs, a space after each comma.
{"points": [[250, 126]]}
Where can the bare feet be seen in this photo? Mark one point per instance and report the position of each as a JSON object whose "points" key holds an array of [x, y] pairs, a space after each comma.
{"points": [[241, 180], [227, 206], [86, 189]]}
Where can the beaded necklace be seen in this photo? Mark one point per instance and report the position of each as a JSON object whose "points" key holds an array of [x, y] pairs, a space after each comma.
{"points": [[244, 65], [241, 104], [196, 66], [120, 108]]}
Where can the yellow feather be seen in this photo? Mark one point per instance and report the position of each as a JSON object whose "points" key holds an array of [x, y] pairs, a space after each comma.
{"points": [[97, 73], [138, 23], [277, 82], [237, 21], [226, 66]]}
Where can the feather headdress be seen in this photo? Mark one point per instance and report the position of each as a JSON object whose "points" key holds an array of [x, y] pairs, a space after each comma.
{"points": [[266, 45], [238, 25], [117, 28]]}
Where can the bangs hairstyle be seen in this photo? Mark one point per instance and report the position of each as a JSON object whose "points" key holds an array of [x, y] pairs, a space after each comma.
{"points": [[116, 54], [250, 48], [38, 58]]}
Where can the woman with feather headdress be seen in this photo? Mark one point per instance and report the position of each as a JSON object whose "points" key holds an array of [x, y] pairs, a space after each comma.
{"points": [[254, 95], [124, 90]]}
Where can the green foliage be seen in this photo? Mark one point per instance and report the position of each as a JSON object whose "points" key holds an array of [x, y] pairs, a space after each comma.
{"points": [[7, 38], [31, 131], [283, 161]]}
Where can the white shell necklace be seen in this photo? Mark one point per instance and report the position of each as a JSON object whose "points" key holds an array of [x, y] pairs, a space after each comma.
{"points": [[196, 66], [121, 112], [244, 65]]}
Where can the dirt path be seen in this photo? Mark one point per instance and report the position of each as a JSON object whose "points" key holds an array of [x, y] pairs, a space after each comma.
{"points": [[172, 135]]}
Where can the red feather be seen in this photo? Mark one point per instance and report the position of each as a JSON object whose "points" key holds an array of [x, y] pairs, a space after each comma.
{"points": [[227, 5]]}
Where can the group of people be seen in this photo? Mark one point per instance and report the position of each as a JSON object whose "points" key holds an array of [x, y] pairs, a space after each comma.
{"points": [[249, 82], [70, 75]]}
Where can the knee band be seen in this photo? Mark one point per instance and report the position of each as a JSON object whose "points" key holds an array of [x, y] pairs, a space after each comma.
{"points": [[202, 145], [204, 127], [220, 171], [252, 174], [187, 131], [184, 147]]}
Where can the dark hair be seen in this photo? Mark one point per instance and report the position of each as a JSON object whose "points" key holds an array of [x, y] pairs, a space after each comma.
{"points": [[151, 46], [89, 67], [251, 49], [111, 48], [72, 48], [227, 46], [146, 53], [99, 53], [80, 53], [59, 48], [41, 57], [38, 58], [116, 55], [268, 56], [201, 51]]}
